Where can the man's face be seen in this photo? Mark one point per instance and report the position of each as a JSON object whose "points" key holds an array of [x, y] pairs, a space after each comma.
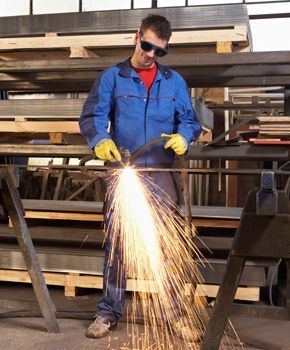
{"points": [[146, 59]]}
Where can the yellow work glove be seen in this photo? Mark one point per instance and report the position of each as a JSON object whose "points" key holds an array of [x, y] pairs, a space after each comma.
{"points": [[107, 150], [177, 142]]}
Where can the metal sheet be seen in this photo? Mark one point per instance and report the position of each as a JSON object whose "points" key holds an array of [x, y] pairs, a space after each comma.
{"points": [[54, 259], [214, 212], [123, 20], [63, 206], [190, 61], [76, 151]]}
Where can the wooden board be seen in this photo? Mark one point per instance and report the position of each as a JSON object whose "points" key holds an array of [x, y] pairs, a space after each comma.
{"points": [[271, 142], [224, 223], [39, 127], [74, 280], [33, 214], [236, 34], [284, 119], [109, 52]]}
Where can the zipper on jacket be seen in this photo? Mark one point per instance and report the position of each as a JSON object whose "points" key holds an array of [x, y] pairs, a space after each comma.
{"points": [[145, 128]]}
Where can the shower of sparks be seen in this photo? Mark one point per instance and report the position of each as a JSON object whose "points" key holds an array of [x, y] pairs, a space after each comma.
{"points": [[158, 252]]}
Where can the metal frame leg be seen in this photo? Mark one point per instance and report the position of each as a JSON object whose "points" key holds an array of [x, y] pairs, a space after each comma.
{"points": [[287, 261], [13, 204], [218, 321]]}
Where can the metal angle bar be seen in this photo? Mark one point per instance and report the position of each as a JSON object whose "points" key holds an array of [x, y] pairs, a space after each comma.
{"points": [[15, 209], [179, 170], [81, 86], [237, 70], [85, 186], [237, 82], [197, 170], [197, 60], [56, 86], [255, 70], [242, 152], [73, 151], [270, 15], [245, 106]]}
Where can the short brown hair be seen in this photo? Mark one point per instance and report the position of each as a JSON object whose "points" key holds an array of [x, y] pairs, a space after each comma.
{"points": [[158, 24]]}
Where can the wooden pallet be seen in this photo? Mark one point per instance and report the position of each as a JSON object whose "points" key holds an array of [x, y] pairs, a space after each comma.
{"points": [[72, 281]]}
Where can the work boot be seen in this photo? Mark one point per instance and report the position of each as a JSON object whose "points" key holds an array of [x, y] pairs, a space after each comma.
{"points": [[100, 328], [184, 330]]}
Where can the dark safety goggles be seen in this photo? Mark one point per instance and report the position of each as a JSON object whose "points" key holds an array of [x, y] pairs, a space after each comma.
{"points": [[159, 51]]}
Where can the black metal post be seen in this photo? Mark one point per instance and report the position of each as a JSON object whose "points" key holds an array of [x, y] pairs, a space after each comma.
{"points": [[287, 101]]}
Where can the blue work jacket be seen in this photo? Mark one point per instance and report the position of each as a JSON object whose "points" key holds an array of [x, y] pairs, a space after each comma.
{"points": [[119, 99]]}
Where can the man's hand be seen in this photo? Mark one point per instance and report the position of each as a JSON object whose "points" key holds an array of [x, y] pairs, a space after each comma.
{"points": [[107, 150], [177, 142]]}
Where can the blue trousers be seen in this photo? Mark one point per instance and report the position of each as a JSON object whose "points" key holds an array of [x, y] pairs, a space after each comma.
{"points": [[111, 306]]}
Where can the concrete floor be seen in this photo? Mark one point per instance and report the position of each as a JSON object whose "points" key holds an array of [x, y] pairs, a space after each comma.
{"points": [[30, 333]]}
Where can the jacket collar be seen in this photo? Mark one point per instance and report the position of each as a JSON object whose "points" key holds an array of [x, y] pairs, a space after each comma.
{"points": [[127, 71]]}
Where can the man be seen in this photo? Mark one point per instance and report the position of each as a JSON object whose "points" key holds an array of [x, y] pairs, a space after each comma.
{"points": [[140, 99]]}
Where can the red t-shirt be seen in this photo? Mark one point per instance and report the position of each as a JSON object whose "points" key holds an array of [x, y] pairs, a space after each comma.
{"points": [[147, 75]]}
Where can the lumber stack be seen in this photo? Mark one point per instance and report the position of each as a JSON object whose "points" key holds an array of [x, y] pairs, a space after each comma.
{"points": [[111, 33], [44, 119], [272, 129]]}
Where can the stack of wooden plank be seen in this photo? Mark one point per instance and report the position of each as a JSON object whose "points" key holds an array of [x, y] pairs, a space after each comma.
{"points": [[272, 130], [51, 119], [111, 33]]}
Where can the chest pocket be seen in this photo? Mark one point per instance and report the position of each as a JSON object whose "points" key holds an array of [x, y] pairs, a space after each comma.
{"points": [[126, 105], [166, 108]]}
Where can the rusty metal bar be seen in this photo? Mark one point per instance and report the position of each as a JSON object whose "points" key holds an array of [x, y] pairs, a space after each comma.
{"points": [[103, 169], [90, 182], [60, 179]]}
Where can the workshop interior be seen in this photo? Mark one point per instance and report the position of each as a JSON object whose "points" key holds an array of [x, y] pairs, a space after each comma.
{"points": [[233, 181]]}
